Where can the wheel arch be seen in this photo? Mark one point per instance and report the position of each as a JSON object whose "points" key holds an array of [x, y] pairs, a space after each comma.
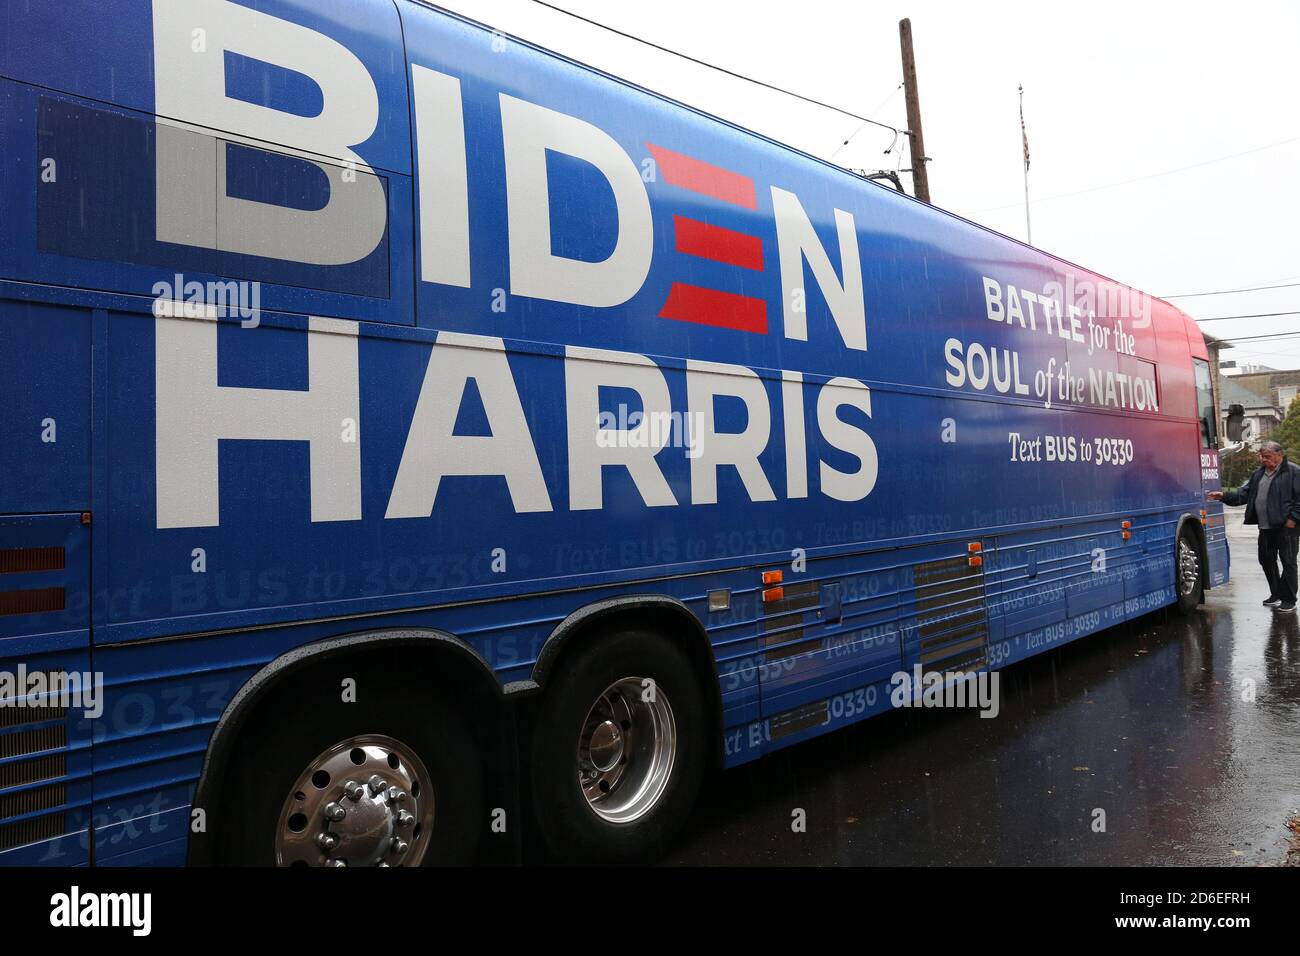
{"points": [[666, 615], [1198, 535], [463, 668]]}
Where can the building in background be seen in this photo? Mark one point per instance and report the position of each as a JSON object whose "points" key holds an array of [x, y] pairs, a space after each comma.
{"points": [[1264, 393], [1232, 367], [1263, 413], [1284, 385]]}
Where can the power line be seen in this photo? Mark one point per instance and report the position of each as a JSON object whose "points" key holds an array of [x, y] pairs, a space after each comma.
{"points": [[1275, 336], [876, 112], [1139, 179], [721, 69], [1258, 315], [1254, 288]]}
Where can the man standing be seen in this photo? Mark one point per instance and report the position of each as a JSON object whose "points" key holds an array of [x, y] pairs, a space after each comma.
{"points": [[1272, 500]]}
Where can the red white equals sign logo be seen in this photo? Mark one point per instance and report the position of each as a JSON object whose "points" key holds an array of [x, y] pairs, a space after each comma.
{"points": [[693, 303]]}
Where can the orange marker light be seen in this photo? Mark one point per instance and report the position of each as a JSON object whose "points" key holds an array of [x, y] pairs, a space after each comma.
{"points": [[975, 560], [1126, 525], [1127, 535], [772, 577], [975, 547], [773, 594]]}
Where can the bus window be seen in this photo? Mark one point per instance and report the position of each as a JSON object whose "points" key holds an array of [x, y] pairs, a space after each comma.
{"points": [[1205, 410]]}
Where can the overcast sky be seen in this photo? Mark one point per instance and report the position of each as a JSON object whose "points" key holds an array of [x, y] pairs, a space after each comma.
{"points": [[1114, 92]]}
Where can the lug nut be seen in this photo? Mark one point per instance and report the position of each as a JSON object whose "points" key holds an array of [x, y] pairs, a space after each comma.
{"points": [[337, 863], [378, 784], [396, 795], [354, 790], [404, 819], [400, 846], [334, 812], [327, 841]]}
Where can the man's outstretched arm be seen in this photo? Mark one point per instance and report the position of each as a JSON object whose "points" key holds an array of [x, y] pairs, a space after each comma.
{"points": [[1237, 496]]}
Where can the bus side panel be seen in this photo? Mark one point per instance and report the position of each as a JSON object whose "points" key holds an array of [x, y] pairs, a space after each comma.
{"points": [[85, 204], [1220, 557], [45, 591], [45, 389]]}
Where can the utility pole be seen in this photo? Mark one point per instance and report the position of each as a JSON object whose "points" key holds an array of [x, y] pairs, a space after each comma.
{"points": [[920, 179]]}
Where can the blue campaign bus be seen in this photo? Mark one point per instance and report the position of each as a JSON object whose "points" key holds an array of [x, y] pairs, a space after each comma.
{"points": [[412, 439]]}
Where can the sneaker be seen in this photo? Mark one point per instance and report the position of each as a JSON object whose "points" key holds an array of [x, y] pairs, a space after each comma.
{"points": [[1270, 601], [1286, 606]]}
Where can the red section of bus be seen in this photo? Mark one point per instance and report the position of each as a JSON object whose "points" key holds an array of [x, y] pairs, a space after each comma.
{"points": [[701, 177], [692, 303], [697, 238]]}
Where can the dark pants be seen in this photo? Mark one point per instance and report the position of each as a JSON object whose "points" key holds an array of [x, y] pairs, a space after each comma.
{"points": [[1279, 544]]}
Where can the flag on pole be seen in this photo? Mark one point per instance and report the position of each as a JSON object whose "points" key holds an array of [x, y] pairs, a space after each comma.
{"points": [[1024, 136], [1024, 139]]}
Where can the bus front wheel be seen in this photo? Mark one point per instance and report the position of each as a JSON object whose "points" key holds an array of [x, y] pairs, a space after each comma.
{"points": [[1189, 572], [619, 749]]}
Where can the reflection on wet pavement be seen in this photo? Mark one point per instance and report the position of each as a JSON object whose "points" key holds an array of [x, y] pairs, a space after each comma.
{"points": [[1183, 732]]}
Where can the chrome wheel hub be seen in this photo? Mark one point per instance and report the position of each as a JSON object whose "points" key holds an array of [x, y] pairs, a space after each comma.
{"points": [[606, 747], [626, 749], [1189, 568], [366, 801]]}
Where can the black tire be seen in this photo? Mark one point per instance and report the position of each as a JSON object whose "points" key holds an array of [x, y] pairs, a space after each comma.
{"points": [[567, 825], [307, 717], [1189, 599]]}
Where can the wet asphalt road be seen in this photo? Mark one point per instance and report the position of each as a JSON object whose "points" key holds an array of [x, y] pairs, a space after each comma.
{"points": [[1145, 721]]}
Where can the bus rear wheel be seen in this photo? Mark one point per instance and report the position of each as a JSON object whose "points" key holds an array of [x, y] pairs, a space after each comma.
{"points": [[619, 750], [392, 779], [1189, 573]]}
